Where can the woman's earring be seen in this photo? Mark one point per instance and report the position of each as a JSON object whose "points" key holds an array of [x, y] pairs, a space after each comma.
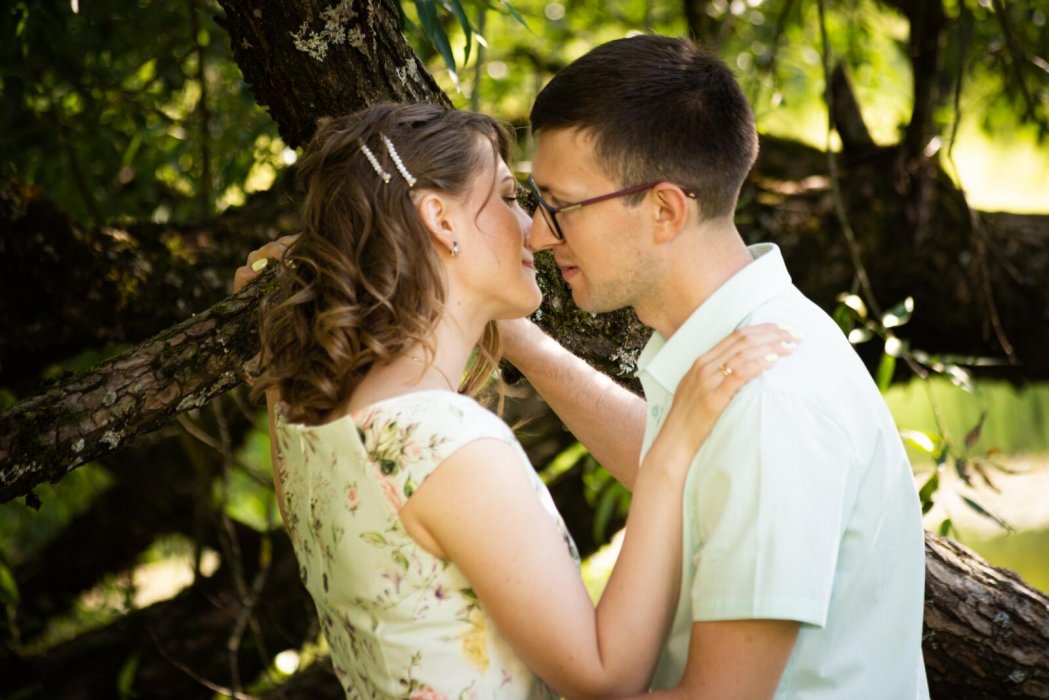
{"points": [[455, 249]]}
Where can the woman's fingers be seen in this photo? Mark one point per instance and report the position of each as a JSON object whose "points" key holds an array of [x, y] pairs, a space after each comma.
{"points": [[738, 358], [706, 389], [748, 361], [747, 337], [258, 260]]}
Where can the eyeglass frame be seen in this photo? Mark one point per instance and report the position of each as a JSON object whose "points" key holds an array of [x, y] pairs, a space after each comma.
{"points": [[550, 212]]}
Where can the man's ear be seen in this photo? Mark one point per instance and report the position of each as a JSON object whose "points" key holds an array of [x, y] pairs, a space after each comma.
{"points": [[671, 209], [437, 217]]}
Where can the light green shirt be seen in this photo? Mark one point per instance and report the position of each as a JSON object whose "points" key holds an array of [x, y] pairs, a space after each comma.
{"points": [[801, 504]]}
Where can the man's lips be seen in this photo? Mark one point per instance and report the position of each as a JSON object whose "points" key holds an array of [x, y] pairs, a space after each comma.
{"points": [[567, 271]]}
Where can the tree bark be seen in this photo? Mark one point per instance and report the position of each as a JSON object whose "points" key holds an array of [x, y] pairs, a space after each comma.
{"points": [[314, 59], [986, 631], [101, 410]]}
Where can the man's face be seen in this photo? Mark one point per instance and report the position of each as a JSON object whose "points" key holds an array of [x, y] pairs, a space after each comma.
{"points": [[602, 257]]}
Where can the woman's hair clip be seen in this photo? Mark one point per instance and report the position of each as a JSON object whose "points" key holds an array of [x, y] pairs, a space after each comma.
{"points": [[398, 162], [374, 161]]}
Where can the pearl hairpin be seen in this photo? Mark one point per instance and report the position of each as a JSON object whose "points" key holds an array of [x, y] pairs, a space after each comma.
{"points": [[398, 162], [375, 162]]}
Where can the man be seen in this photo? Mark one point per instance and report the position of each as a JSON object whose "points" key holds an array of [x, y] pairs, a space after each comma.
{"points": [[803, 560], [803, 563]]}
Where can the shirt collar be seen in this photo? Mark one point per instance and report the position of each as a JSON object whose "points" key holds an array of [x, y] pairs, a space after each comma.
{"points": [[667, 360]]}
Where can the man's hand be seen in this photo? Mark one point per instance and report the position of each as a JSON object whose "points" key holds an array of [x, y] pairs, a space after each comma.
{"points": [[257, 260]]}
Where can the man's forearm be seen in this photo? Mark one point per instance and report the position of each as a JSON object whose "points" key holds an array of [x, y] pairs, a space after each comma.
{"points": [[608, 419]]}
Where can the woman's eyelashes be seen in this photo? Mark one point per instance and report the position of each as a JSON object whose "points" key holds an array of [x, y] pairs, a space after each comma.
{"points": [[513, 195]]}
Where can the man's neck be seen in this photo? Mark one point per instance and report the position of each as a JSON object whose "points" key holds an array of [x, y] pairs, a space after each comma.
{"points": [[697, 264]]}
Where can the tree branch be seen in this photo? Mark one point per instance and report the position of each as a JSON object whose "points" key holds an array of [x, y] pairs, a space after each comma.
{"points": [[101, 410]]}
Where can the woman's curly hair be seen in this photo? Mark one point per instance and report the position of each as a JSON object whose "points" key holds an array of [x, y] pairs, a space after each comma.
{"points": [[362, 283]]}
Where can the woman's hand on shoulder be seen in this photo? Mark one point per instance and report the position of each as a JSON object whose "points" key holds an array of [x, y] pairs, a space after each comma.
{"points": [[258, 259], [714, 378]]}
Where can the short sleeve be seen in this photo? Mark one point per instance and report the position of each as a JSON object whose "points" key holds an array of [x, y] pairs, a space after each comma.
{"points": [[767, 511]]}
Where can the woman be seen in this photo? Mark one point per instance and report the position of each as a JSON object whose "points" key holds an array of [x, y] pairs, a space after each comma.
{"points": [[435, 556]]}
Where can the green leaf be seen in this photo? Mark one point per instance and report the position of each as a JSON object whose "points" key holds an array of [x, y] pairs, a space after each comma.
{"points": [[456, 8], [843, 317], [899, 314], [885, 371], [981, 469], [929, 488], [603, 514], [516, 15], [860, 334], [946, 527], [562, 463], [960, 378], [8, 586], [854, 302], [920, 440], [126, 677], [986, 513], [974, 435], [427, 10], [374, 538]]}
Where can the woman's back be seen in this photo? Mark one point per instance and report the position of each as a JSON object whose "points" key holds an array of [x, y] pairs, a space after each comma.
{"points": [[400, 622]]}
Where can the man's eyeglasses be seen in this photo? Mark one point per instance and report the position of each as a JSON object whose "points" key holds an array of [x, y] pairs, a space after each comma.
{"points": [[550, 212]]}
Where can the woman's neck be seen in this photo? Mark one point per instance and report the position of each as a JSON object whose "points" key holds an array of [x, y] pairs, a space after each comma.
{"points": [[415, 370]]}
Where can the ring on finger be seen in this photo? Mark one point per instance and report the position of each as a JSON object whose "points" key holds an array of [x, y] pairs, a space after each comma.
{"points": [[725, 369]]}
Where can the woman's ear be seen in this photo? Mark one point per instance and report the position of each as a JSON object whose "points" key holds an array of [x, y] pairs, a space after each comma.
{"points": [[437, 217]]}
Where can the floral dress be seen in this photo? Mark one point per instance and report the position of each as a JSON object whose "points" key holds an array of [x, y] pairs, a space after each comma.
{"points": [[400, 622]]}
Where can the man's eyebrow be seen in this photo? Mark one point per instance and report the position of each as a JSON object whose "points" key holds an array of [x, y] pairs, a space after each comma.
{"points": [[541, 187]]}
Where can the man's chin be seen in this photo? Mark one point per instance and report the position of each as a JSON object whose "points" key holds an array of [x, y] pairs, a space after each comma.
{"points": [[587, 304]]}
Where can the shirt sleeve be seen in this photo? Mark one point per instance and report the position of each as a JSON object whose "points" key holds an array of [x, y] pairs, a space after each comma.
{"points": [[767, 499]]}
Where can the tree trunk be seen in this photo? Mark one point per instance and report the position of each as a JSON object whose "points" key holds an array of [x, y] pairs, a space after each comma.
{"points": [[306, 60]]}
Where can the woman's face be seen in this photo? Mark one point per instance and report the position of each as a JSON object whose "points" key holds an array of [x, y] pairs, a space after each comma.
{"points": [[495, 261]]}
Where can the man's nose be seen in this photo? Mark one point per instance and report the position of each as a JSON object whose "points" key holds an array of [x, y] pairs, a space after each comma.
{"points": [[541, 237]]}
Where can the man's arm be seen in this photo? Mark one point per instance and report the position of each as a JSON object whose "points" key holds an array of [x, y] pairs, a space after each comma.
{"points": [[608, 419], [739, 659]]}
